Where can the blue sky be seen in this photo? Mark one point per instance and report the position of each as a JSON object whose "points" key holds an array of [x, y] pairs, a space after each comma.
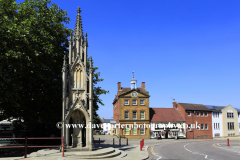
{"points": [[188, 50]]}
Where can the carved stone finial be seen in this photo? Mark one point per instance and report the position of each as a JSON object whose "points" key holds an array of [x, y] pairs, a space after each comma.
{"points": [[79, 10], [91, 59], [86, 34]]}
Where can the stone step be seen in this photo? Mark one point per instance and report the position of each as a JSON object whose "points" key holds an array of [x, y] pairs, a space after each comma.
{"points": [[96, 153], [110, 155]]}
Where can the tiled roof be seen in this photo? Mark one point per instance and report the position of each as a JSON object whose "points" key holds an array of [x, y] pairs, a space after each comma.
{"points": [[165, 115], [195, 107], [128, 89]]}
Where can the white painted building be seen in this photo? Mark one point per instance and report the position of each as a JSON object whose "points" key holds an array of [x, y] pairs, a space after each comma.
{"points": [[216, 120], [224, 121], [106, 125]]}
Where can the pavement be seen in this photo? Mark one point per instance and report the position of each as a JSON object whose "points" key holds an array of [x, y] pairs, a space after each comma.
{"points": [[105, 150]]}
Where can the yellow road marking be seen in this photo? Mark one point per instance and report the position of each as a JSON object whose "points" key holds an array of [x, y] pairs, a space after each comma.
{"points": [[152, 150]]}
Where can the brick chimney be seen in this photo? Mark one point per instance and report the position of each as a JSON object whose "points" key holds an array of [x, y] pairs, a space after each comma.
{"points": [[174, 104], [143, 85], [119, 86]]}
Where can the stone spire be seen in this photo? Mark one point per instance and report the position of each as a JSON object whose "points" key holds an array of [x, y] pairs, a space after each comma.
{"points": [[78, 25]]}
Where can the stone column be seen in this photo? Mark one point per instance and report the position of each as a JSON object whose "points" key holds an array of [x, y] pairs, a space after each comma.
{"points": [[64, 93], [91, 104], [67, 136]]}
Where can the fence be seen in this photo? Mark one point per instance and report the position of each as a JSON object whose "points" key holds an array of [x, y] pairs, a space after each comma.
{"points": [[25, 155]]}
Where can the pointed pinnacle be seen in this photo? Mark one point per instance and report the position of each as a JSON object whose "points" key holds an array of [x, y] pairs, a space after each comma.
{"points": [[79, 10]]}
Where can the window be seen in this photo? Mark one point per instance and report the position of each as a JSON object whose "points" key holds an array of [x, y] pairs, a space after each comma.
{"points": [[218, 126], [198, 114], [174, 125], [202, 114], [238, 115], [126, 115], [135, 130], [238, 125], [198, 126], [175, 133], [214, 125], [229, 115], [189, 113], [134, 102], [141, 102], [202, 126], [230, 125], [206, 126], [206, 114], [189, 127], [218, 114], [134, 114], [126, 102], [106, 127], [142, 116], [142, 129], [127, 130]]}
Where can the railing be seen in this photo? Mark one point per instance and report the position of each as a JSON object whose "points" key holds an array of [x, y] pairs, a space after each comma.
{"points": [[25, 155]]}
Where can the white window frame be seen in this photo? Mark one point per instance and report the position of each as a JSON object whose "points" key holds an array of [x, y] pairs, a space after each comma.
{"points": [[125, 115], [142, 127], [188, 113], [143, 115], [136, 115], [134, 100], [202, 114], [198, 127], [125, 101], [134, 126], [126, 129], [143, 102], [198, 114], [206, 114], [189, 127], [202, 126], [206, 126]]}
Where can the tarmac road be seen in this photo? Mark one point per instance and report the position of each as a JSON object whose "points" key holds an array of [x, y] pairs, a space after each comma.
{"points": [[195, 150]]}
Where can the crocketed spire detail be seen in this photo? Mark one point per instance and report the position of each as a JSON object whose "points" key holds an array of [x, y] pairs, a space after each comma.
{"points": [[78, 25]]}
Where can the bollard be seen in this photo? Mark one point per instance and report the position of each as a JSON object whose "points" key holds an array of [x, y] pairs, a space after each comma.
{"points": [[25, 156], [113, 141], [99, 141], [228, 141], [140, 145], [127, 141], [120, 141]]}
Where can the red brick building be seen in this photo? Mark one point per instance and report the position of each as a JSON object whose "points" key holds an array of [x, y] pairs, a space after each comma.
{"points": [[198, 120]]}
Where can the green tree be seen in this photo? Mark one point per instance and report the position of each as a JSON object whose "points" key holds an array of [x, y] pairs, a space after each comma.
{"points": [[33, 41], [97, 91]]}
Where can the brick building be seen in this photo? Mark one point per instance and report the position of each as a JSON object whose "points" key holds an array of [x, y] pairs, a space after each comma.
{"points": [[131, 111], [198, 120], [167, 123]]}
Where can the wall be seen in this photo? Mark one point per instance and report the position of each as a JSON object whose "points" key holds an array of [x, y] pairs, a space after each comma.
{"points": [[225, 121], [216, 120]]}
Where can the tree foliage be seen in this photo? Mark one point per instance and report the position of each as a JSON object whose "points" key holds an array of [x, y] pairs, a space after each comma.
{"points": [[33, 40], [97, 91]]}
